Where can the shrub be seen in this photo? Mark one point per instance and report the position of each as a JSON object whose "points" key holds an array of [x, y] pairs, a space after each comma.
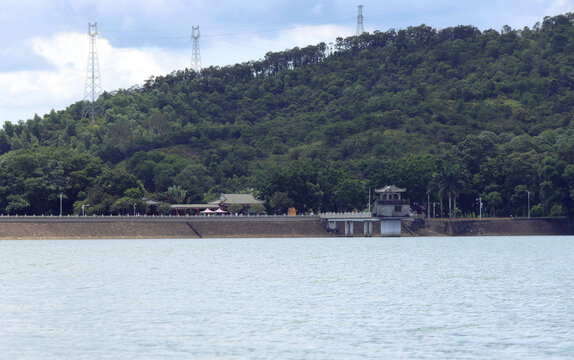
{"points": [[235, 209], [558, 210], [164, 209], [536, 211], [257, 208]]}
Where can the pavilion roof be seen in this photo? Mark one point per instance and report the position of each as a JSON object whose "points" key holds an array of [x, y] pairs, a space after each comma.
{"points": [[194, 206], [390, 189], [242, 199]]}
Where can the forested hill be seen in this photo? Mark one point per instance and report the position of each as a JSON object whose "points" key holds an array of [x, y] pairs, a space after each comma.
{"points": [[451, 115]]}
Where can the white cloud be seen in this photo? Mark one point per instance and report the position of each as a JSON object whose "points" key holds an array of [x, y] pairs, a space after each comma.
{"points": [[311, 35], [559, 7], [148, 7], [254, 46], [38, 74], [317, 9], [63, 82]]}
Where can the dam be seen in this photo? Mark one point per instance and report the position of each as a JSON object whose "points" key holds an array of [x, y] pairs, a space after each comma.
{"points": [[150, 227]]}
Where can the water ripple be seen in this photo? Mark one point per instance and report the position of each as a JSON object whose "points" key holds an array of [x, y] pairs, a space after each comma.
{"points": [[455, 298]]}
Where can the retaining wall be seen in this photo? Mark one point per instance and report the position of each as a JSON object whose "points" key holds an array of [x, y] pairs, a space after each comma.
{"points": [[501, 227], [167, 227], [238, 227]]}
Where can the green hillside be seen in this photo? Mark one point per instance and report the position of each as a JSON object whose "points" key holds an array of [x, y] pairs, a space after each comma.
{"points": [[451, 115]]}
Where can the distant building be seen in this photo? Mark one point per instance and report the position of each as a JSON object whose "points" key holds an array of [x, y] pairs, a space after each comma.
{"points": [[391, 203], [219, 206], [245, 200]]}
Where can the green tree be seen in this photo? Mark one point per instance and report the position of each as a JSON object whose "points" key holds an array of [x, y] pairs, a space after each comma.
{"points": [[164, 209], [107, 195], [257, 208], [235, 209], [280, 202], [552, 189], [177, 194], [16, 205], [520, 199], [127, 206], [568, 178], [196, 180], [493, 201], [450, 182]]}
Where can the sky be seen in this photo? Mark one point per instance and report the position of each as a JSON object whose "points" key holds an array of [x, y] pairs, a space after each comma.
{"points": [[44, 44]]}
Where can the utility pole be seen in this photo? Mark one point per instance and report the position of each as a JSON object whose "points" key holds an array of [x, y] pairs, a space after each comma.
{"points": [[360, 26], [479, 207], [195, 56], [93, 87], [84, 206]]}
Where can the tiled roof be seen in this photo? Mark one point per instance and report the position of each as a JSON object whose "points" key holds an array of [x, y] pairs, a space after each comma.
{"points": [[242, 199], [194, 206], [390, 189]]}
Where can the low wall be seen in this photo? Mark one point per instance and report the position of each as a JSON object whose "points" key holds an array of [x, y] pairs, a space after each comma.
{"points": [[499, 227], [254, 228], [248, 227], [158, 227]]}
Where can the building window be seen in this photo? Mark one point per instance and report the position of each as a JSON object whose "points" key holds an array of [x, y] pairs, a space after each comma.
{"points": [[398, 208]]}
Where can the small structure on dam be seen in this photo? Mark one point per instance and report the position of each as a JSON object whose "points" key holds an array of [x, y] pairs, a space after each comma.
{"points": [[391, 209], [350, 220]]}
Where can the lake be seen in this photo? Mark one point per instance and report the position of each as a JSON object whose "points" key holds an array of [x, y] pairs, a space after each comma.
{"points": [[320, 298]]}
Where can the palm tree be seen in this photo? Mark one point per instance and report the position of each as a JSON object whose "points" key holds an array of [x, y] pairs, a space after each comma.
{"points": [[177, 194], [450, 181]]}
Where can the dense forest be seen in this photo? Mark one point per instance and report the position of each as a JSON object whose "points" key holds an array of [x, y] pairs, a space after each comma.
{"points": [[452, 115]]}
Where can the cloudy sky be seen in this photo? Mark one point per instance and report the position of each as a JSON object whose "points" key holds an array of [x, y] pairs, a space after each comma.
{"points": [[44, 43]]}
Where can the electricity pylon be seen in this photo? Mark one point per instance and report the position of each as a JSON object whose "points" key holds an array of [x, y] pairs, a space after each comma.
{"points": [[195, 56], [360, 26], [93, 87]]}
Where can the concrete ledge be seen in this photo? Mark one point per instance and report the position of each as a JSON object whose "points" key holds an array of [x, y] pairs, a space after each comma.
{"points": [[148, 227], [500, 227], [246, 227], [148, 219], [93, 230]]}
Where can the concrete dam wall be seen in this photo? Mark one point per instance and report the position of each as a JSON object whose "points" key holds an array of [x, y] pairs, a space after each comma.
{"points": [[159, 227], [500, 227], [36, 228]]}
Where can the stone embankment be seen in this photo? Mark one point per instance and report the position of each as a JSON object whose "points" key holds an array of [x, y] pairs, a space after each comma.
{"points": [[494, 227], [159, 227], [250, 227]]}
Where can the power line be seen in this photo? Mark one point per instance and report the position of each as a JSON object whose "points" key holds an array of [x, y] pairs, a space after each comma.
{"points": [[178, 33], [93, 88]]}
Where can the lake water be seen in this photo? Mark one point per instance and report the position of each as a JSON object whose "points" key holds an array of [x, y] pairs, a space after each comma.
{"points": [[399, 298]]}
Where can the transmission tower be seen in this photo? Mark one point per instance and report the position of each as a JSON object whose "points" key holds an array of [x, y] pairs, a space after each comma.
{"points": [[360, 27], [195, 57], [93, 87]]}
